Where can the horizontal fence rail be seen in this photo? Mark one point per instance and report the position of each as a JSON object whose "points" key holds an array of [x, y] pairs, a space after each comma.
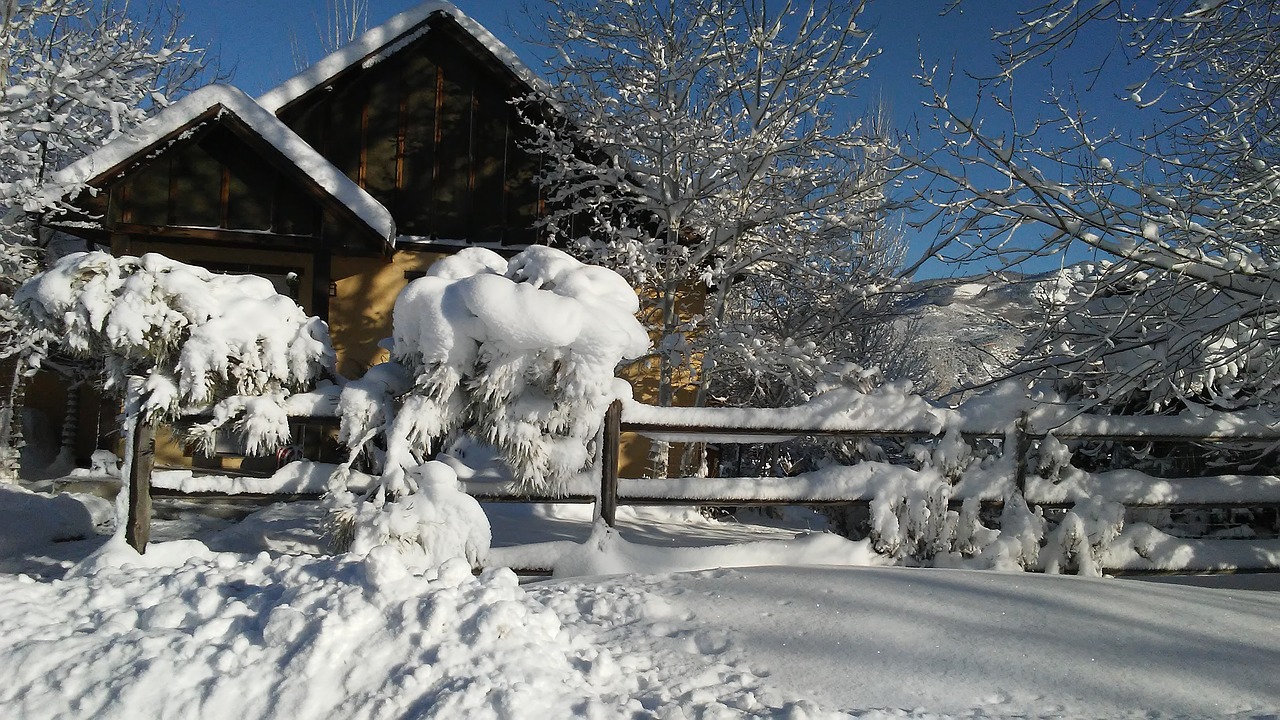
{"points": [[756, 426]]}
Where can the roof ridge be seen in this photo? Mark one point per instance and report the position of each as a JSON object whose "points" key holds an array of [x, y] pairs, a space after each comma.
{"points": [[378, 39]]}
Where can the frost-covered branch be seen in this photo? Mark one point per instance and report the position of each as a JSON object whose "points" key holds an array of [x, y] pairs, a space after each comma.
{"points": [[709, 148], [1185, 212]]}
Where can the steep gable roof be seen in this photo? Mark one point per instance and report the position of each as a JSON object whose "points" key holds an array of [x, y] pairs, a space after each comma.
{"points": [[385, 40], [213, 101]]}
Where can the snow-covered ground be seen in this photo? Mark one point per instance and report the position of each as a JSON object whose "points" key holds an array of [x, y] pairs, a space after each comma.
{"points": [[88, 629]]}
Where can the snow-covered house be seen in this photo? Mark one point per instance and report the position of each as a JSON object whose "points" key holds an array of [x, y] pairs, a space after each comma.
{"points": [[341, 184]]}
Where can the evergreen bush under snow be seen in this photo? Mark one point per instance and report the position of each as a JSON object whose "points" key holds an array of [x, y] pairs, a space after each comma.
{"points": [[195, 338]]}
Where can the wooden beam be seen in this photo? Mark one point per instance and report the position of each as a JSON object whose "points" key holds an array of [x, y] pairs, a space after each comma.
{"points": [[224, 196], [609, 453], [1021, 448], [679, 432], [217, 235], [321, 270]]}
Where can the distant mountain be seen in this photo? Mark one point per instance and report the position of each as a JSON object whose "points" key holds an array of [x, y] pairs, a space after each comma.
{"points": [[972, 327]]}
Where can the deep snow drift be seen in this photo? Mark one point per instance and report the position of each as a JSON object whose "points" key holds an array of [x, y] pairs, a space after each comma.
{"points": [[186, 632]]}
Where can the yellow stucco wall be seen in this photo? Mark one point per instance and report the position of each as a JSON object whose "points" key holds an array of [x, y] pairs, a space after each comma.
{"points": [[360, 313]]}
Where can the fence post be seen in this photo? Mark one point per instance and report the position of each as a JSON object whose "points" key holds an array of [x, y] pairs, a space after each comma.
{"points": [[137, 531], [609, 463], [1022, 446]]}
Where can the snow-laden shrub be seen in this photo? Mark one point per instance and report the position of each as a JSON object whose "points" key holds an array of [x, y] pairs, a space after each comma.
{"points": [[913, 524], [194, 337], [519, 353], [1014, 545], [1079, 543], [435, 523]]}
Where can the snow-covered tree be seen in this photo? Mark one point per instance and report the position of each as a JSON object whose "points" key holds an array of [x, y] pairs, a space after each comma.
{"points": [[171, 339], [196, 339], [708, 148], [518, 354], [73, 73], [790, 328], [1185, 309]]}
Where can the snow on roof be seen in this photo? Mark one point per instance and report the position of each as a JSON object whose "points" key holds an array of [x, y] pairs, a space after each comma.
{"points": [[181, 114], [383, 37]]}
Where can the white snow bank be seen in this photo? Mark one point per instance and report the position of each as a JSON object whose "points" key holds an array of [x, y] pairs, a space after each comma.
{"points": [[32, 520], [223, 636], [225, 98], [606, 553], [938, 643]]}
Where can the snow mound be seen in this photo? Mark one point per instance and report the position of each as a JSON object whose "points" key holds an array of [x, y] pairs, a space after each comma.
{"points": [[32, 520], [219, 637], [437, 522]]}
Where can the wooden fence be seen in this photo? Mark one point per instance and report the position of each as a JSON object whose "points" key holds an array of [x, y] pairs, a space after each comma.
{"points": [[615, 491], [733, 426]]}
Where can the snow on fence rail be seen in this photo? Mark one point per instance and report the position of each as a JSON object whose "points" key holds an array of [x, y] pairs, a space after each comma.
{"points": [[851, 415], [911, 416]]}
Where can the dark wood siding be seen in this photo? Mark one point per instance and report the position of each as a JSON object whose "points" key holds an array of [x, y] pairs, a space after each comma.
{"points": [[431, 134], [419, 160], [382, 135], [216, 181]]}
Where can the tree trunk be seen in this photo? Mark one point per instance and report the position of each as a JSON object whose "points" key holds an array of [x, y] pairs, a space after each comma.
{"points": [[660, 451], [693, 461], [70, 423], [11, 425]]}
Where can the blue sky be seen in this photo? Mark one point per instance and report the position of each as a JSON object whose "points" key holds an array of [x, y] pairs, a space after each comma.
{"points": [[252, 40], [252, 37]]}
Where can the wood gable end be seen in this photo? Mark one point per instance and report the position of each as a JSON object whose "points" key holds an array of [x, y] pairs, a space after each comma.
{"points": [[214, 181], [426, 126]]}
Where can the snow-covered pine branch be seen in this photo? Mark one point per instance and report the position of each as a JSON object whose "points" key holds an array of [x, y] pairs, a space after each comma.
{"points": [[200, 341]]}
